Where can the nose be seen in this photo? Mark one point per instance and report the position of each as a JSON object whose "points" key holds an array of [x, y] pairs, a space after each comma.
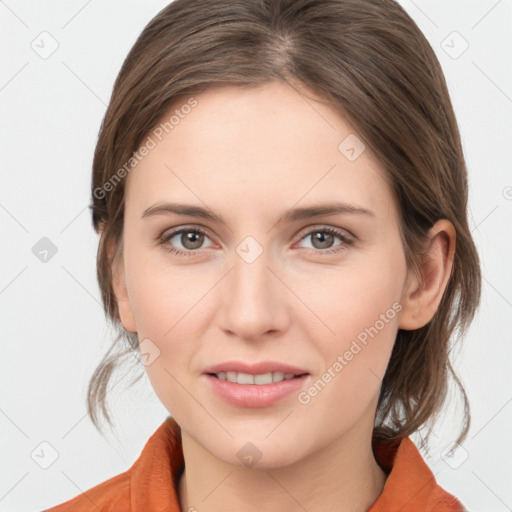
{"points": [[255, 300]]}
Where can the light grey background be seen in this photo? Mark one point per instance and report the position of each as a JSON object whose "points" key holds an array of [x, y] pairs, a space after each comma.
{"points": [[53, 328]]}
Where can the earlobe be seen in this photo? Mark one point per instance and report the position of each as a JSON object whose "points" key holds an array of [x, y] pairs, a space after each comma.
{"points": [[120, 291], [422, 295]]}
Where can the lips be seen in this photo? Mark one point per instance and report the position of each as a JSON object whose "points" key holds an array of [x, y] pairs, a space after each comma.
{"points": [[249, 385], [246, 394]]}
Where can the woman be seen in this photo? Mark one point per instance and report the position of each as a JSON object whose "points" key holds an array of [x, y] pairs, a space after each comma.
{"points": [[280, 193]]}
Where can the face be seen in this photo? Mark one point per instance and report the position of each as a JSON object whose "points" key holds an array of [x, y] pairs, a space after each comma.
{"points": [[320, 293]]}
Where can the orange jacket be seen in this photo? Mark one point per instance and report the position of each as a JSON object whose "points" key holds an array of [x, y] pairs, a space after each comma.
{"points": [[150, 485]]}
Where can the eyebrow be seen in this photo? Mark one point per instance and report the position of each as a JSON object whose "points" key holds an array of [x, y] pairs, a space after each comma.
{"points": [[290, 215]]}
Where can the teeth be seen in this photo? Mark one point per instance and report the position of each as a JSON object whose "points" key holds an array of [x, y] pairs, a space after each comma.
{"points": [[247, 378], [264, 378]]}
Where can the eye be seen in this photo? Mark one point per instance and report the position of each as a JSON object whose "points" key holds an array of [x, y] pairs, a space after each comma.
{"points": [[191, 240], [323, 238]]}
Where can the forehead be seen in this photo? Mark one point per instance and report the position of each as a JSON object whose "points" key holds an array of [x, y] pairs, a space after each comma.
{"points": [[256, 147]]}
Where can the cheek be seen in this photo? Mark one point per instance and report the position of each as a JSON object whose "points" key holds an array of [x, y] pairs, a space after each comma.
{"points": [[165, 303], [356, 298], [162, 295], [361, 307], [364, 319]]}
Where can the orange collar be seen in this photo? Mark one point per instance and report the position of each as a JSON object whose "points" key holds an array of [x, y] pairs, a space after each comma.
{"points": [[410, 485], [152, 481]]}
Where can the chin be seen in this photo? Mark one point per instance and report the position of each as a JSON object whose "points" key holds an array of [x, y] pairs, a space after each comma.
{"points": [[257, 451]]}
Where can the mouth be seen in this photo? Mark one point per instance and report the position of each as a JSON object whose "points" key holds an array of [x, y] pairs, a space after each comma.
{"points": [[259, 385], [255, 379]]}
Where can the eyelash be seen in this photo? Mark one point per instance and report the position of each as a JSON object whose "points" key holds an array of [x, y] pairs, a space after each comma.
{"points": [[347, 241]]}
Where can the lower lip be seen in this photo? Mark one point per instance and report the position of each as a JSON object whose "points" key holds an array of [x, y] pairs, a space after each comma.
{"points": [[255, 395]]}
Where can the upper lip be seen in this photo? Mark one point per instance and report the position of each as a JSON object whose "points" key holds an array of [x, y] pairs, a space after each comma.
{"points": [[255, 368]]}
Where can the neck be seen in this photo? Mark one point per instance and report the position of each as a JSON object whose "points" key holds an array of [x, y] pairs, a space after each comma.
{"points": [[342, 476]]}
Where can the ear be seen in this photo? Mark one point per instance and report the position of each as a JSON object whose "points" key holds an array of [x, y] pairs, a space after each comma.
{"points": [[421, 297], [120, 291]]}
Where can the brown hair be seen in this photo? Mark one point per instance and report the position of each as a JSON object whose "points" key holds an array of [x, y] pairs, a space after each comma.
{"points": [[370, 61]]}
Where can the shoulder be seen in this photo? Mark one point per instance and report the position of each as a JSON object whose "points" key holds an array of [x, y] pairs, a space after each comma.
{"points": [[108, 496], [448, 503], [410, 485], [149, 484]]}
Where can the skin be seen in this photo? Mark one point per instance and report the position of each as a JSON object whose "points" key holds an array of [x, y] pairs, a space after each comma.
{"points": [[248, 154]]}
